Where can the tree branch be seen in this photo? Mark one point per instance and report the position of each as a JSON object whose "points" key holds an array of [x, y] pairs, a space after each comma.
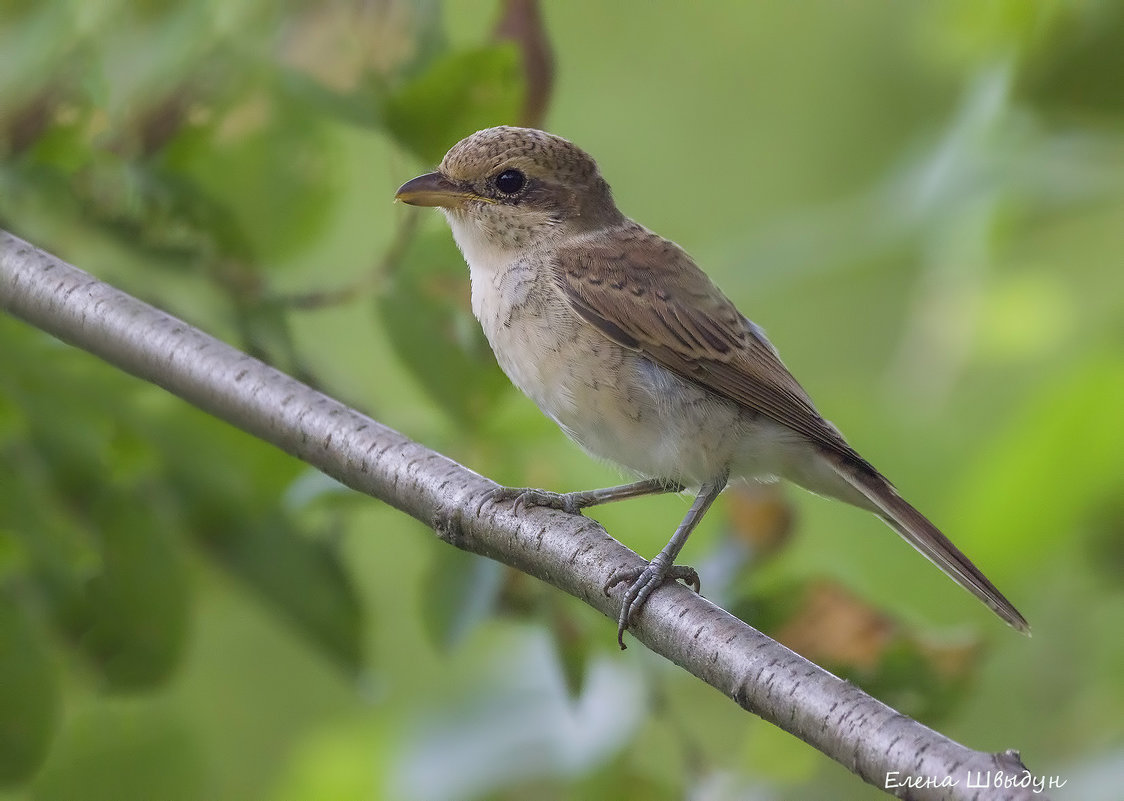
{"points": [[572, 553]]}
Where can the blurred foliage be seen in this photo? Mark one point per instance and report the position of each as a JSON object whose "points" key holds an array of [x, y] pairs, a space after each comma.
{"points": [[185, 613], [425, 309]]}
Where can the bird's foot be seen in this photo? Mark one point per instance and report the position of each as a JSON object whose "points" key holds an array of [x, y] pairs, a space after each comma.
{"points": [[569, 502], [642, 582]]}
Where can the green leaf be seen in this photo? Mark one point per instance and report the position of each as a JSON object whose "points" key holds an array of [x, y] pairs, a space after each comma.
{"points": [[125, 752], [106, 480], [302, 579], [89, 514], [134, 613], [265, 171], [1080, 69], [232, 488], [456, 95], [573, 644], [430, 326], [29, 701], [460, 590]]}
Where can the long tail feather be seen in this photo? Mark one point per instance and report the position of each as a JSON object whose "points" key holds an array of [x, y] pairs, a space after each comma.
{"points": [[916, 529]]}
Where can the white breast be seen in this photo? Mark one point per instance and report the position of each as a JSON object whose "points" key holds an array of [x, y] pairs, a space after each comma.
{"points": [[512, 310]]}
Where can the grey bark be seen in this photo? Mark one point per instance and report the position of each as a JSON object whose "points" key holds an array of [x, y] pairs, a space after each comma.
{"points": [[574, 554]]}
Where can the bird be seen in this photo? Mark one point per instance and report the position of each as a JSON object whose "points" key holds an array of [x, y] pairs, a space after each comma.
{"points": [[632, 350]]}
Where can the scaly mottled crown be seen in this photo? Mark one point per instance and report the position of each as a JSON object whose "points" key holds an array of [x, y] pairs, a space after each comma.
{"points": [[528, 149]]}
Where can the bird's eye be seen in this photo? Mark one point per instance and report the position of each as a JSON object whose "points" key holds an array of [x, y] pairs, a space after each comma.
{"points": [[510, 181]]}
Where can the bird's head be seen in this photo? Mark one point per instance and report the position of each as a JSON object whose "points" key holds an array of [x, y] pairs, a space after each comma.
{"points": [[517, 188]]}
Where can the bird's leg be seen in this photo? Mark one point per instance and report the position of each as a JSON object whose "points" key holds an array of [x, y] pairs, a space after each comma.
{"points": [[574, 502], [663, 567]]}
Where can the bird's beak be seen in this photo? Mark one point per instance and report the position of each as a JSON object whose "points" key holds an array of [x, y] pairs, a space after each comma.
{"points": [[434, 189]]}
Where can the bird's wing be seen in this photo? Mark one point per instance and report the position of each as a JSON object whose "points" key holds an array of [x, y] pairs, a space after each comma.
{"points": [[645, 293]]}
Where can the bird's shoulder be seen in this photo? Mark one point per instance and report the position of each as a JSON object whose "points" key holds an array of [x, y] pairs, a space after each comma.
{"points": [[650, 284]]}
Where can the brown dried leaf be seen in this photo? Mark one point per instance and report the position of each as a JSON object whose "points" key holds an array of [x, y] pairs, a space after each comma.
{"points": [[834, 626], [760, 516]]}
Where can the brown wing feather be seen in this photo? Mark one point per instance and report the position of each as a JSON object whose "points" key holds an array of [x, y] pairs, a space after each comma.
{"points": [[645, 293]]}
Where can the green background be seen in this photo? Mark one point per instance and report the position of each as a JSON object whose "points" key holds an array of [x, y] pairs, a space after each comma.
{"points": [[922, 203]]}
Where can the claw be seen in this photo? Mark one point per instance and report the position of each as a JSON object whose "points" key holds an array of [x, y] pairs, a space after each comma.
{"points": [[643, 582], [523, 497], [488, 497]]}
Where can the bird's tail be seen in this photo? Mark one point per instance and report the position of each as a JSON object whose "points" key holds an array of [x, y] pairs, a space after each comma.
{"points": [[916, 529]]}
